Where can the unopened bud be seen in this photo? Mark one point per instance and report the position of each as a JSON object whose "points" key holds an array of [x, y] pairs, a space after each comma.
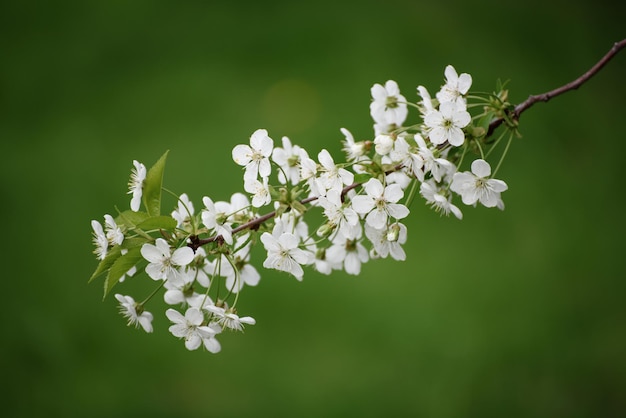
{"points": [[325, 230], [393, 233], [383, 144]]}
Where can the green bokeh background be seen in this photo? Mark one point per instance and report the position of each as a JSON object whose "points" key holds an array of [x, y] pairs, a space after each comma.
{"points": [[517, 313]]}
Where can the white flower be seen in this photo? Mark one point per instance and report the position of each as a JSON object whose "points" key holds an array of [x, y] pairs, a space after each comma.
{"points": [[438, 167], [388, 241], [438, 199], [163, 262], [135, 185], [245, 273], [308, 166], [447, 123], [477, 186], [355, 151], [184, 212], [341, 217], [283, 254], [260, 191], [215, 217], [321, 262], [383, 144], [248, 274], [349, 253], [332, 177], [388, 106], [134, 312], [255, 157], [411, 162], [189, 327], [427, 101], [99, 240], [288, 158], [456, 86], [229, 319], [113, 232], [379, 203], [182, 291]]}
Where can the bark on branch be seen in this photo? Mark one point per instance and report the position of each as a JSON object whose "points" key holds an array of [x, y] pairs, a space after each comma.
{"points": [[573, 85]]}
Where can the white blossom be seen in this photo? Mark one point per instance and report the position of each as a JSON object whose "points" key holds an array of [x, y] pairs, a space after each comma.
{"points": [[135, 185], [183, 212], [189, 327], [113, 232], [439, 199], [134, 312], [388, 241], [332, 177], [182, 291], [283, 254], [456, 86], [259, 190], [288, 159], [229, 319], [380, 203], [99, 240], [411, 162], [163, 262], [347, 252], [355, 151], [255, 157], [341, 217], [477, 186], [447, 123], [383, 144], [215, 217], [427, 101], [437, 167], [388, 105]]}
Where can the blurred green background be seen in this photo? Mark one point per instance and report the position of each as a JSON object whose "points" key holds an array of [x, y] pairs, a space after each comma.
{"points": [[504, 314]]}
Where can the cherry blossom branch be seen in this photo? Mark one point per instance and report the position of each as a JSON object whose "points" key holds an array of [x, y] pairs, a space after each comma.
{"points": [[573, 85], [196, 242]]}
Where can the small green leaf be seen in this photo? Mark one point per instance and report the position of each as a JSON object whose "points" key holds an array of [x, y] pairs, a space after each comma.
{"points": [[131, 219], [105, 264], [484, 121], [135, 242], [152, 187], [120, 267], [158, 222]]}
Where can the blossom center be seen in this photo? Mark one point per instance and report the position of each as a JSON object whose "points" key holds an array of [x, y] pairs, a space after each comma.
{"points": [[391, 102]]}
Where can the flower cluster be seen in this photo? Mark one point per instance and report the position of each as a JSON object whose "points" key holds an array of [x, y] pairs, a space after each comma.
{"points": [[202, 259]]}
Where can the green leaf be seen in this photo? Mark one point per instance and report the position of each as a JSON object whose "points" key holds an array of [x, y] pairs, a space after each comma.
{"points": [[152, 187], [486, 120], [108, 261], [158, 222], [120, 267], [131, 219]]}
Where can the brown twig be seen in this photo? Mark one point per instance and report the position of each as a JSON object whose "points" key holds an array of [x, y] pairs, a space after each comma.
{"points": [[517, 111]]}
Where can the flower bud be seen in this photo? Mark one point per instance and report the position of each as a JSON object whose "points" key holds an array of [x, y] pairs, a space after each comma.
{"points": [[393, 233], [325, 230], [383, 144]]}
